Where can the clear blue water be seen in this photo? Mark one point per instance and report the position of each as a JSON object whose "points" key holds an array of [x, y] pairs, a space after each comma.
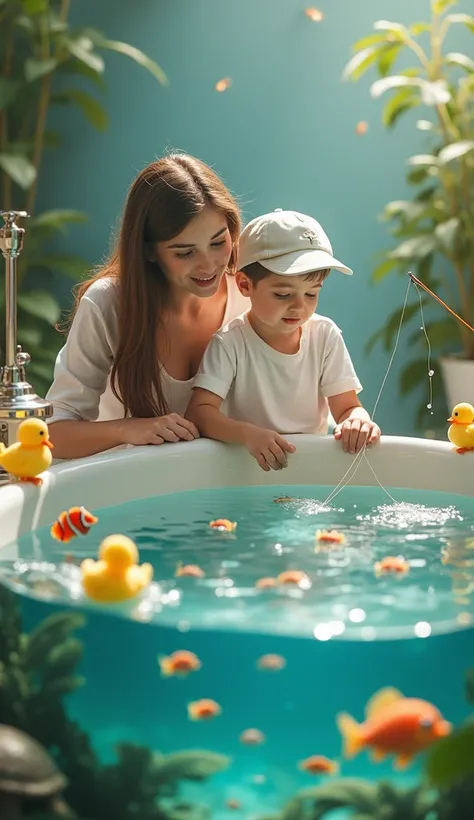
{"points": [[343, 639]]}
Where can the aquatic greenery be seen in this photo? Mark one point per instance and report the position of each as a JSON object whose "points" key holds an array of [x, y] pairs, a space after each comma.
{"points": [[36, 671]]}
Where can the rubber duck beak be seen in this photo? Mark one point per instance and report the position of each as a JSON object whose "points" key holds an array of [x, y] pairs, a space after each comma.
{"points": [[48, 444], [451, 420]]}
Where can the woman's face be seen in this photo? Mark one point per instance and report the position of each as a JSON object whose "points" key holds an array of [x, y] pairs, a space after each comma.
{"points": [[196, 259]]}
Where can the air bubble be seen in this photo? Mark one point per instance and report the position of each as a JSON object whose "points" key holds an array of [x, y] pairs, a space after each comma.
{"points": [[429, 406], [430, 373]]}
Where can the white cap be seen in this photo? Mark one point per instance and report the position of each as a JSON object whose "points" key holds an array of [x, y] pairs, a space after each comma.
{"points": [[288, 243]]}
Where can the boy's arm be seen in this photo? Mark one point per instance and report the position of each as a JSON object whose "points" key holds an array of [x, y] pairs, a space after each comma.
{"points": [[204, 410], [353, 423]]}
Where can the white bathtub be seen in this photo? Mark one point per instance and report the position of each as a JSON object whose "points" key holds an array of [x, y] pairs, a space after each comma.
{"points": [[142, 472]]}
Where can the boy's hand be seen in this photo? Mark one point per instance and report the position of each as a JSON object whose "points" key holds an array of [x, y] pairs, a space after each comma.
{"points": [[354, 433], [269, 448]]}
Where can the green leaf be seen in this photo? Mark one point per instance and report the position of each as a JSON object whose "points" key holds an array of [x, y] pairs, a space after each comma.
{"points": [[455, 151], [69, 264], [415, 248], [128, 51], [82, 50], [90, 107], [394, 28], [440, 333], [33, 7], [41, 304], [58, 219], [19, 168], [359, 63], [8, 91], [34, 69], [75, 67], [402, 101], [418, 175], [440, 6], [436, 93], [464, 19], [387, 83], [447, 232], [411, 212], [371, 40], [387, 58], [452, 759], [458, 59], [424, 125], [383, 269], [413, 374], [423, 159], [419, 28]]}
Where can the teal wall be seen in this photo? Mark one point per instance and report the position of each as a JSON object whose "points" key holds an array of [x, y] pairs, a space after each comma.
{"points": [[282, 136]]}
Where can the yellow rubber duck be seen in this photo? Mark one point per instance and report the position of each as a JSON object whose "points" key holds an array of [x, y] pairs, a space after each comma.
{"points": [[116, 576], [461, 432], [31, 454]]}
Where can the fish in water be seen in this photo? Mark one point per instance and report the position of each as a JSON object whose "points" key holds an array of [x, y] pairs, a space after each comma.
{"points": [[394, 725], [75, 521], [318, 764], [204, 709], [180, 663]]}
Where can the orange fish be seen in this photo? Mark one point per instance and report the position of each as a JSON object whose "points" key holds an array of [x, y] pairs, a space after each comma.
{"points": [[223, 525], [203, 709], [76, 521], [224, 84], [396, 565], [266, 583], [294, 576], [233, 804], [394, 725], [330, 537], [317, 764], [179, 663], [252, 737], [271, 663], [189, 571]]}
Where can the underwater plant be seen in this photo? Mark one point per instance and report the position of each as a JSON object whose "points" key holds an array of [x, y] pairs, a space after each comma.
{"points": [[37, 670]]}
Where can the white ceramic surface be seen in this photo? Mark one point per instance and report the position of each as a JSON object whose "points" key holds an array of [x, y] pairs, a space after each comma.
{"points": [[142, 472]]}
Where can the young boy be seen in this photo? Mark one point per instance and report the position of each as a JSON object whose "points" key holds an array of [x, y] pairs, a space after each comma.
{"points": [[280, 368]]}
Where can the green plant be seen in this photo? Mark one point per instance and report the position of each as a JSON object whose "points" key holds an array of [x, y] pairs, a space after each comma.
{"points": [[45, 62], [434, 229]]}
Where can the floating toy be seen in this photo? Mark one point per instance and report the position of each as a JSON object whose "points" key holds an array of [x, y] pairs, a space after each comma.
{"points": [[394, 725], [271, 663], [294, 576], [391, 564], [330, 537], [461, 432], [318, 764], [180, 663], [283, 499], [252, 737], [204, 709], [266, 583], [116, 576], [223, 525], [76, 521], [189, 571], [31, 454]]}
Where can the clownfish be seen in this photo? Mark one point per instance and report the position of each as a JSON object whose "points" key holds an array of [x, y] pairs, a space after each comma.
{"points": [[75, 521]]}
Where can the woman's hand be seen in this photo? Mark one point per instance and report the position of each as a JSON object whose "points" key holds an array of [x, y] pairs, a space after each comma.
{"points": [[269, 448], [158, 430], [355, 433]]}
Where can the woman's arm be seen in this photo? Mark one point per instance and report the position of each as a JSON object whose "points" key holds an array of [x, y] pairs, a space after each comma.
{"points": [[78, 439]]}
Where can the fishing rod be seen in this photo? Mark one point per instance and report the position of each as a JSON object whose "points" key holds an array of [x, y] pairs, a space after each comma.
{"points": [[421, 284]]}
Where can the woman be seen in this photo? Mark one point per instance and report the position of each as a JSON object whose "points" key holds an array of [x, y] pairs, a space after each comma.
{"points": [[142, 323]]}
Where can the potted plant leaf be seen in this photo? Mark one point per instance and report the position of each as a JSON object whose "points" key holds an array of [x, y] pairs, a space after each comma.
{"points": [[45, 62], [434, 229]]}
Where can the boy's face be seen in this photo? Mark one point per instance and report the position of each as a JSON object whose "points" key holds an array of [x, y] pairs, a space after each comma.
{"points": [[282, 303]]}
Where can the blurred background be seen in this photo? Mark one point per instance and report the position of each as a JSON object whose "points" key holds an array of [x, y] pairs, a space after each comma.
{"points": [[255, 89]]}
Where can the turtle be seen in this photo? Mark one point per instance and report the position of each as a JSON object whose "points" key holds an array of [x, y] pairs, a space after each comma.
{"points": [[28, 774]]}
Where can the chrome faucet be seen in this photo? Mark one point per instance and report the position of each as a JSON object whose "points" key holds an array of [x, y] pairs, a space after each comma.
{"points": [[18, 401]]}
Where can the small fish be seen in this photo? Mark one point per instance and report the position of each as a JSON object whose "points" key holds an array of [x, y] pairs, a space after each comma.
{"points": [[283, 499], [179, 663], [294, 576], [266, 583], [223, 85], [75, 521], [223, 525], [189, 571], [234, 805], [271, 663], [330, 537], [317, 764], [204, 709], [252, 737], [391, 564], [394, 725]]}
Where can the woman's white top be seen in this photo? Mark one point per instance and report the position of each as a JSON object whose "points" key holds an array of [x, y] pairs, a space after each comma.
{"points": [[81, 388]]}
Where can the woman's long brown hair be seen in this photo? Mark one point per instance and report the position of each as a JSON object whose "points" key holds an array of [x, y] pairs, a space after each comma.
{"points": [[161, 201]]}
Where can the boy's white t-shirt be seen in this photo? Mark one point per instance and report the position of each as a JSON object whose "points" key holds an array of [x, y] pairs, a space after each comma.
{"points": [[283, 392]]}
